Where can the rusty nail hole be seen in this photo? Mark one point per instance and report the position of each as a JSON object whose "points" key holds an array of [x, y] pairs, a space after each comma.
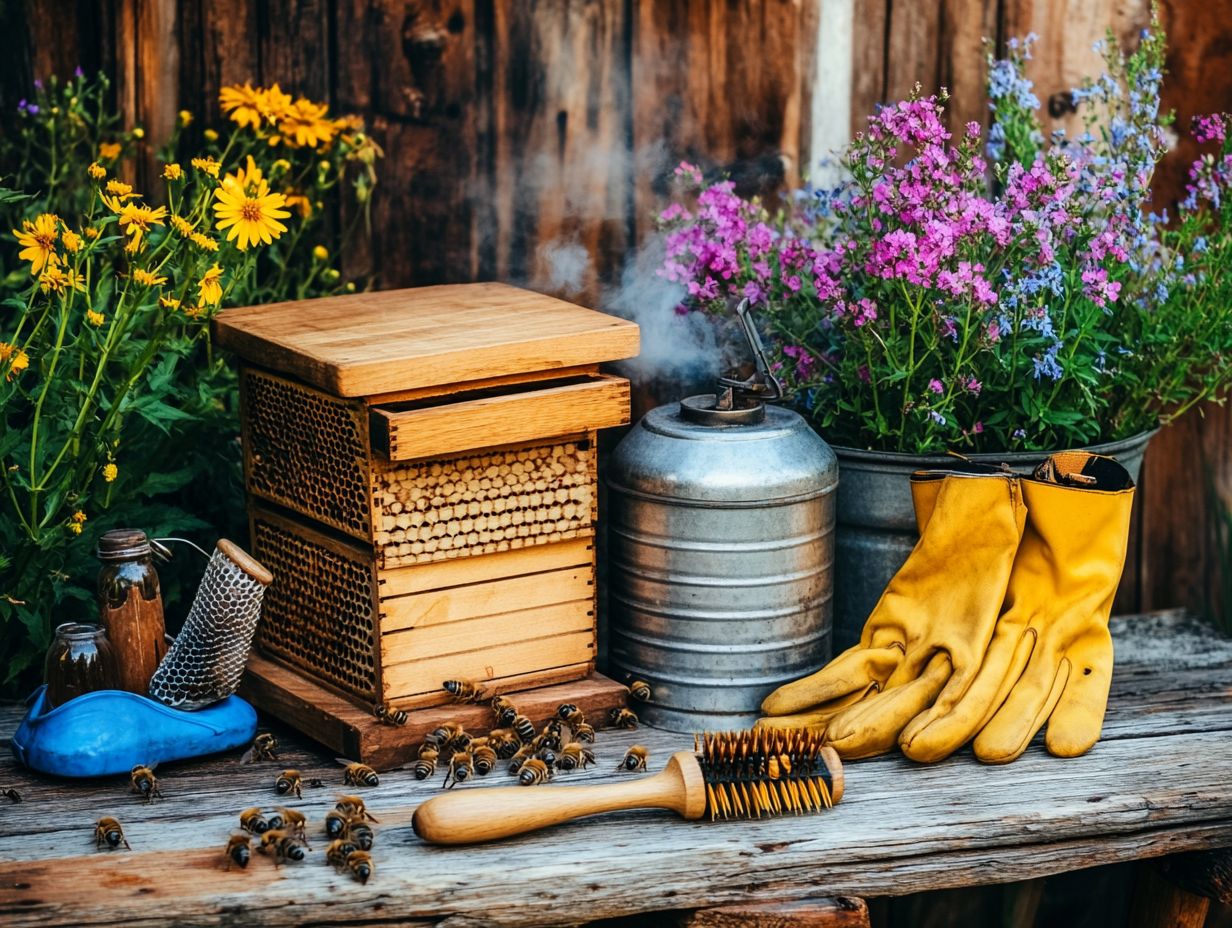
{"points": [[1086, 672]]}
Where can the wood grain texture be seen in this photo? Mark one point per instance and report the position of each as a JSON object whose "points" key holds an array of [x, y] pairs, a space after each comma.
{"points": [[1158, 902], [1156, 784], [825, 912], [401, 339], [527, 562]]}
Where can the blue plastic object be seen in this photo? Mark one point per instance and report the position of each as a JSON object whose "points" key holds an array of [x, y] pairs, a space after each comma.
{"points": [[110, 731]]}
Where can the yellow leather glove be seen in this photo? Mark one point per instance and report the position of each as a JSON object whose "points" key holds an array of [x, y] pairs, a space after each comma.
{"points": [[929, 630]]}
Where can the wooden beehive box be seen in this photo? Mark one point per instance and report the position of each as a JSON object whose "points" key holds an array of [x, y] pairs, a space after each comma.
{"points": [[421, 475]]}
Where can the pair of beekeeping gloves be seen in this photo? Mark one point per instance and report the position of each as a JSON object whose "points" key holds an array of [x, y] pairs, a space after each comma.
{"points": [[995, 625]]}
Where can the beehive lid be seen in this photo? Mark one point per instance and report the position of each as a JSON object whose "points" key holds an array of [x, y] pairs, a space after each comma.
{"points": [[365, 344]]}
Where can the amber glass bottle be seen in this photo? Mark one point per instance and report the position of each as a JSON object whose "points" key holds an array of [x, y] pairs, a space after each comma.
{"points": [[79, 661], [131, 606]]}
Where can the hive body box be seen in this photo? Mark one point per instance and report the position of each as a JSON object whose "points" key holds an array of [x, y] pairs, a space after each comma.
{"points": [[421, 475]]}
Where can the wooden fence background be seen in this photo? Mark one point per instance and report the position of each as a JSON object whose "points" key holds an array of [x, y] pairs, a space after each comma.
{"points": [[520, 131]]}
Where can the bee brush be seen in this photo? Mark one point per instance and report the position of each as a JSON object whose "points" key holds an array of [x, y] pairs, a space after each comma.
{"points": [[744, 774]]}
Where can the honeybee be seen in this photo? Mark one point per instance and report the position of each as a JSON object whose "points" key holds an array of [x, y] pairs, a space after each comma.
{"points": [[144, 783], [284, 846], [338, 851], [568, 712], [316, 782], [294, 822], [504, 710], [522, 755], [640, 690], [353, 808], [360, 865], [425, 766], [357, 774], [388, 715], [547, 755], [253, 821], [534, 771], [623, 718], [547, 739], [263, 748], [360, 835], [634, 759], [465, 691], [503, 742], [440, 737], [484, 759], [335, 824], [461, 766], [573, 755], [11, 794], [274, 820], [107, 831], [524, 729], [289, 781], [585, 732], [238, 850]]}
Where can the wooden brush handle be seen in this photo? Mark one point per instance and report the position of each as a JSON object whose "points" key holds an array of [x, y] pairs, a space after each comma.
{"points": [[476, 815]]}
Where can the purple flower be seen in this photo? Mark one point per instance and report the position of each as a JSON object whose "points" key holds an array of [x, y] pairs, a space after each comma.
{"points": [[936, 417], [77, 72], [1210, 128], [974, 387], [936, 386]]}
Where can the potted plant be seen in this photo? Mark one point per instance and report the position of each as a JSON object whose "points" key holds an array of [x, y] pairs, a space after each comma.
{"points": [[1003, 296]]}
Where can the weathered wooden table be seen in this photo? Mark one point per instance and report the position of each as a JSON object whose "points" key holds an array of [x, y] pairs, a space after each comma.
{"points": [[1158, 783]]}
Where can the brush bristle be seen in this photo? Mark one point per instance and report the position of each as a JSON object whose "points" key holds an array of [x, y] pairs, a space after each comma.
{"points": [[749, 774]]}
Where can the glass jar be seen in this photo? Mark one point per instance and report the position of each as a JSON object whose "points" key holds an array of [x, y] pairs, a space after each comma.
{"points": [[131, 606], [79, 661]]}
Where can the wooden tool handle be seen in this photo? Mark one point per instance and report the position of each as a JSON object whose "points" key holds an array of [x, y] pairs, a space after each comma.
{"points": [[489, 814]]}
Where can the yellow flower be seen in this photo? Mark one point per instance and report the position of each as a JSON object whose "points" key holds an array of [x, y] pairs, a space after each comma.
{"points": [[299, 202], [208, 165], [194, 312], [110, 472], [182, 225], [56, 279], [274, 104], [204, 242], [252, 216], [120, 189], [96, 170], [138, 133], [248, 177], [75, 528], [79, 516], [211, 135], [305, 125], [135, 220], [95, 319], [92, 233], [168, 302], [147, 279], [243, 103], [321, 253], [173, 172], [17, 359], [38, 241], [209, 287], [71, 240], [186, 117], [109, 151], [281, 166]]}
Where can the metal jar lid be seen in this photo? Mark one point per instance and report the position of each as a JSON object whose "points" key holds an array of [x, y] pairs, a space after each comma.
{"points": [[124, 544]]}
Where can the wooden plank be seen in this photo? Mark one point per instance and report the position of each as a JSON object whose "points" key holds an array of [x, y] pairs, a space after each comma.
{"points": [[439, 607], [537, 559], [484, 383], [504, 419], [824, 912], [368, 343], [1159, 902]]}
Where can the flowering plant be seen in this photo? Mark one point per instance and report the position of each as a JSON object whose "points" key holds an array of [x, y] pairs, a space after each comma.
{"points": [[998, 293], [114, 409]]}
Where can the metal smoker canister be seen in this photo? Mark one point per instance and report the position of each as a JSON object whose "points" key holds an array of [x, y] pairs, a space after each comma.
{"points": [[720, 553]]}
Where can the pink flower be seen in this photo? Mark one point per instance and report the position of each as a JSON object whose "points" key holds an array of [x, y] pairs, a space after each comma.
{"points": [[864, 312], [688, 172], [974, 386], [1210, 128], [973, 130], [936, 386]]}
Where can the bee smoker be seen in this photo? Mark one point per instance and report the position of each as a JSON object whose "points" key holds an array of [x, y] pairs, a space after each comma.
{"points": [[721, 544]]}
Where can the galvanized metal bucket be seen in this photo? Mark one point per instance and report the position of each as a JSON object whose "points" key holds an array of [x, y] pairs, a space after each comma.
{"points": [[876, 522], [720, 554]]}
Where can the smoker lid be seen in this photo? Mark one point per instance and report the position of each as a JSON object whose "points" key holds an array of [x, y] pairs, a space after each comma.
{"points": [[364, 344]]}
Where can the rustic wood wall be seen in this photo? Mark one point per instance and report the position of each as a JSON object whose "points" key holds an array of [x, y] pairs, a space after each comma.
{"points": [[531, 140]]}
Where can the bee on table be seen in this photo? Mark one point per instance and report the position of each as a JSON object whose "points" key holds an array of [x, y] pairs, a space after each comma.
{"points": [[263, 748], [634, 759], [522, 755], [550, 737], [623, 718], [440, 737], [274, 821], [574, 756], [465, 691], [388, 715], [534, 771], [238, 850], [316, 783], [335, 824], [11, 794], [360, 835], [289, 781], [640, 690], [548, 756], [524, 728], [284, 846], [504, 710], [360, 865], [568, 712], [144, 783], [294, 822], [484, 758], [108, 833], [357, 774], [425, 766], [584, 732], [253, 821], [461, 766], [353, 808], [338, 851]]}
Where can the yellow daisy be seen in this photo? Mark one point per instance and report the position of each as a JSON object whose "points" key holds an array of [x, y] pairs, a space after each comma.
{"points": [[173, 172], [147, 279], [182, 225], [305, 125], [252, 216], [135, 220], [71, 240], [96, 170], [38, 241], [299, 203], [95, 319], [210, 135], [56, 279], [248, 177], [110, 472], [109, 151], [208, 165], [168, 302], [120, 190], [243, 103], [274, 104], [92, 232], [204, 242], [209, 288], [186, 117]]}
